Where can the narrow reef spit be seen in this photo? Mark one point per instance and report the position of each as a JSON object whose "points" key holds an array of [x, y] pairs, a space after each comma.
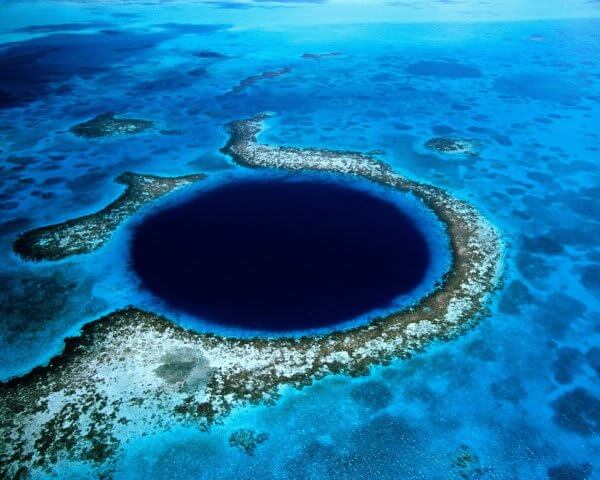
{"points": [[129, 372], [90, 232], [106, 125]]}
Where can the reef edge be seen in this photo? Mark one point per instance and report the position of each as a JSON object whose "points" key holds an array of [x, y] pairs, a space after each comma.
{"points": [[113, 381]]}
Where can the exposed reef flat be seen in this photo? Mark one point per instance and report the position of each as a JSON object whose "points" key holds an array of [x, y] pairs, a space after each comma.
{"points": [[106, 125], [134, 372], [88, 233], [454, 145]]}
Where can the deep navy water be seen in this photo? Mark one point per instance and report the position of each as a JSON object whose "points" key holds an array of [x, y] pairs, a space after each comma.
{"points": [[279, 255], [521, 390]]}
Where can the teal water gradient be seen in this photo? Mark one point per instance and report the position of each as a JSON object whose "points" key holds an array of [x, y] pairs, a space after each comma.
{"points": [[521, 390]]}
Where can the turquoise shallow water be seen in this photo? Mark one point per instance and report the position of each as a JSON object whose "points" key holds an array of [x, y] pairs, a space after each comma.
{"points": [[521, 390]]}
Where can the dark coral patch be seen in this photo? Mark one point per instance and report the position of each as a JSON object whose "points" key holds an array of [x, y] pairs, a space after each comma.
{"points": [[247, 440], [569, 471], [578, 411], [40, 299], [251, 80], [590, 278], [372, 447], [209, 54], [442, 129], [318, 56], [509, 390], [22, 160], [467, 464], [515, 296], [62, 27], [170, 132], [531, 266], [441, 69], [593, 358], [106, 125], [501, 139], [34, 68], [567, 364], [401, 126], [453, 145], [544, 244], [538, 87], [372, 395], [10, 205], [14, 225]]}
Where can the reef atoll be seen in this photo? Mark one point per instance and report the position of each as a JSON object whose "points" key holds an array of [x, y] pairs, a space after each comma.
{"points": [[135, 372], [88, 233], [105, 125]]}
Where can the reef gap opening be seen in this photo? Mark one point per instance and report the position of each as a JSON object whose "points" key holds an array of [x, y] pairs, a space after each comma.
{"points": [[280, 254]]}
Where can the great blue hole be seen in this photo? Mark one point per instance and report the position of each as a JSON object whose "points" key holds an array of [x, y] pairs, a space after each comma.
{"points": [[278, 255]]}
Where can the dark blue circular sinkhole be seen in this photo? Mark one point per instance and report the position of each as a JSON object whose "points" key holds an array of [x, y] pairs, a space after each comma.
{"points": [[279, 255]]}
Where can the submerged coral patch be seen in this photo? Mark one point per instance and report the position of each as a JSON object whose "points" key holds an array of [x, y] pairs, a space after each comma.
{"points": [[34, 68], [453, 145], [209, 54], [535, 86], [40, 300], [251, 80], [318, 56], [444, 69], [247, 440], [467, 464]]}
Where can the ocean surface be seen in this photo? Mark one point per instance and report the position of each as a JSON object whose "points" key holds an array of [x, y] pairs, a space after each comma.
{"points": [[519, 394]]}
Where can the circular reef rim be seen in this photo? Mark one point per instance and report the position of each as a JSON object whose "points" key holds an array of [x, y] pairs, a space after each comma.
{"points": [[157, 261], [136, 371]]}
